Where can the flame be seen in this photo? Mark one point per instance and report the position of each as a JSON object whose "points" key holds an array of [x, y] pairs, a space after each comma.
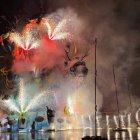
{"points": [[75, 49]]}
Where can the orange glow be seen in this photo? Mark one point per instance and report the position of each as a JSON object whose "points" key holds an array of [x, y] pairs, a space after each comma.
{"points": [[75, 49]]}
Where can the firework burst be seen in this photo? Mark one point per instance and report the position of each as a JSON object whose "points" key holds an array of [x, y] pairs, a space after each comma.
{"points": [[25, 41], [58, 33], [29, 38], [11, 104]]}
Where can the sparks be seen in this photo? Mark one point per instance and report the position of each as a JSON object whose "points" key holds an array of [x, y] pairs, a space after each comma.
{"points": [[26, 42], [58, 33], [34, 102], [22, 103], [70, 105], [11, 105]]}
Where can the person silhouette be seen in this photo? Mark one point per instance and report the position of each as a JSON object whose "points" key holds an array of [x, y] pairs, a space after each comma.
{"points": [[50, 115]]}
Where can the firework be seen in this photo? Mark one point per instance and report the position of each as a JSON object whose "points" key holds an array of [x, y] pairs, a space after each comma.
{"points": [[25, 41], [10, 103], [58, 33], [22, 103]]}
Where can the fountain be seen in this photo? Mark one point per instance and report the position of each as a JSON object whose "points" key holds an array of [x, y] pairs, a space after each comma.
{"points": [[122, 121], [22, 105], [137, 118], [129, 120]]}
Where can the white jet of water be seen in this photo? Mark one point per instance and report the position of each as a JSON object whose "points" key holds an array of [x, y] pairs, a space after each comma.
{"points": [[107, 122], [90, 121], [130, 134], [138, 134], [108, 134], [122, 121], [137, 117], [98, 122], [82, 119], [116, 121], [129, 120], [123, 135], [21, 98], [34, 102]]}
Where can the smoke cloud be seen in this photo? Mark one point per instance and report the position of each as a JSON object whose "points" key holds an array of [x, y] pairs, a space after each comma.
{"points": [[116, 25]]}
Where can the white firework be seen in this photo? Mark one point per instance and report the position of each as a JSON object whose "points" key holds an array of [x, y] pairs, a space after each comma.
{"points": [[22, 103], [26, 41], [58, 33], [11, 105]]}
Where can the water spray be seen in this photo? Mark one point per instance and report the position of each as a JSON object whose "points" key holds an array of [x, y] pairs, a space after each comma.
{"points": [[116, 121], [122, 121], [107, 122], [129, 120], [137, 118], [98, 123]]}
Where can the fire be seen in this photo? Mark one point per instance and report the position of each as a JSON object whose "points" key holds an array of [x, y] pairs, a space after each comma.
{"points": [[75, 49]]}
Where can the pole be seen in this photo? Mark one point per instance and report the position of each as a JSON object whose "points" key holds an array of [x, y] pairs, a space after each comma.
{"points": [[95, 89], [116, 96], [95, 137]]}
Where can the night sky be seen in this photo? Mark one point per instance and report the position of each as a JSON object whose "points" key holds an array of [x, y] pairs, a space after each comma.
{"points": [[116, 24]]}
